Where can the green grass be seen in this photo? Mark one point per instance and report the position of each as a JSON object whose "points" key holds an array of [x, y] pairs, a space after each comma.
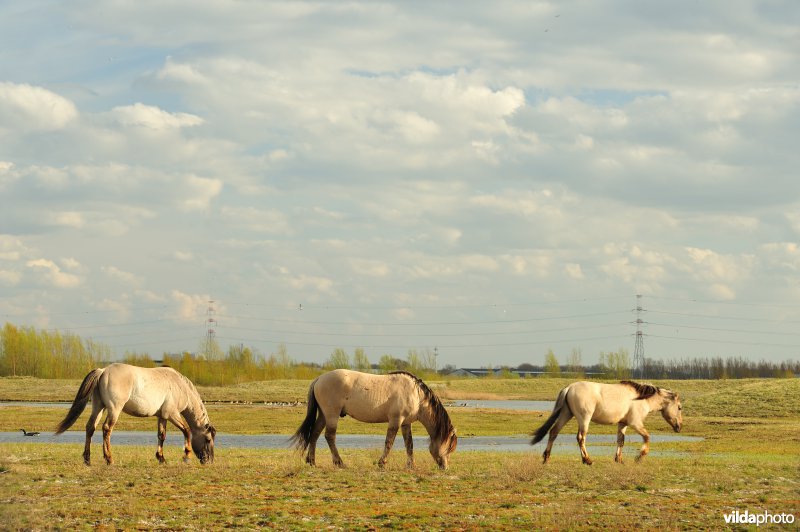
{"points": [[733, 397], [47, 487], [747, 459]]}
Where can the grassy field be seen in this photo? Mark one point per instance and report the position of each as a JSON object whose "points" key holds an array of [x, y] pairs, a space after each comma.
{"points": [[747, 460]]}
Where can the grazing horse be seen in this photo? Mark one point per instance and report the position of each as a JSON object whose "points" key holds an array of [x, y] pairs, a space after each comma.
{"points": [[143, 392], [398, 398], [626, 404]]}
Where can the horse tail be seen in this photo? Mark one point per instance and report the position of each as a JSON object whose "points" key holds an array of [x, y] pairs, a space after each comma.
{"points": [[302, 438], [561, 404], [81, 398]]}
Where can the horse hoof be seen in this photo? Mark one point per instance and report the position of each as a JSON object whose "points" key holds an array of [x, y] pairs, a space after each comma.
{"points": [[587, 461]]}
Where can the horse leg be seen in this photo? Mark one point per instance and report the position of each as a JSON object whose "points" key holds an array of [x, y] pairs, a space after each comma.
{"points": [[330, 437], [162, 435], [646, 437], [562, 420], [620, 441], [391, 434], [108, 426], [583, 429], [406, 428], [184, 428], [312, 445], [91, 425]]}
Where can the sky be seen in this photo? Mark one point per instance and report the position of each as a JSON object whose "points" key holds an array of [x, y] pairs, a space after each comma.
{"points": [[487, 180]]}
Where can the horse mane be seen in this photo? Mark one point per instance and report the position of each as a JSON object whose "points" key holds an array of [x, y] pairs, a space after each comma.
{"points": [[441, 420], [203, 414], [644, 391]]}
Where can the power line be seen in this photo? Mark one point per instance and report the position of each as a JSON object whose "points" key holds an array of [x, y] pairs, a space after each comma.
{"points": [[716, 329], [426, 335], [729, 303], [412, 346], [294, 306], [711, 316], [722, 341], [638, 350], [426, 323]]}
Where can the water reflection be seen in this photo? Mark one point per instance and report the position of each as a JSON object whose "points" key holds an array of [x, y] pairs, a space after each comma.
{"points": [[520, 443], [539, 406]]}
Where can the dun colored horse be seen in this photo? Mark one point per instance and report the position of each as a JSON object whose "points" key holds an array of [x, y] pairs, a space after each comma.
{"points": [[143, 392], [627, 404], [398, 398]]}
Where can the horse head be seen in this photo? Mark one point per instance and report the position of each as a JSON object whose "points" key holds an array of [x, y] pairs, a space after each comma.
{"points": [[203, 443], [442, 448], [672, 410]]}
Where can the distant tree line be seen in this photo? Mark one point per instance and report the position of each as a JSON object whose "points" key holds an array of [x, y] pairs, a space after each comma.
{"points": [[719, 368], [619, 365], [47, 354], [26, 351]]}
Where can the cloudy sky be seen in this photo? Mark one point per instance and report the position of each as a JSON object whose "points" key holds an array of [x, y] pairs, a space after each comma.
{"points": [[487, 179]]}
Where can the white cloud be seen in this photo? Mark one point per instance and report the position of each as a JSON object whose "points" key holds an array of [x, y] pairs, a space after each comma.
{"points": [[71, 263], [574, 271], [183, 256], [311, 282], [523, 204], [199, 191], [121, 275], [259, 220], [69, 219], [327, 153], [28, 108], [370, 268], [190, 308], [11, 248], [51, 274], [9, 278], [152, 117], [180, 72], [456, 92], [784, 255], [709, 265]]}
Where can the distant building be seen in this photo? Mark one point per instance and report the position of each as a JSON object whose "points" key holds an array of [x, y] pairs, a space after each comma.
{"points": [[483, 372], [524, 373]]}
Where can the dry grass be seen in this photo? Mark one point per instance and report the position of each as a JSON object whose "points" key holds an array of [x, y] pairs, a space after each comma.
{"points": [[746, 460], [47, 487]]}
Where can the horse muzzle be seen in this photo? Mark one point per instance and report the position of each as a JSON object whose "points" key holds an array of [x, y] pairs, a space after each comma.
{"points": [[206, 458], [677, 427]]}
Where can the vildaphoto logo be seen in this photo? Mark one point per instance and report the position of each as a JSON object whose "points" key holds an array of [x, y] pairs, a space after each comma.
{"points": [[763, 518]]}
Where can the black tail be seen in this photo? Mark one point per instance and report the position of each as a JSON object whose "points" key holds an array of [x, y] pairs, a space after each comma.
{"points": [[561, 403], [81, 398], [302, 438]]}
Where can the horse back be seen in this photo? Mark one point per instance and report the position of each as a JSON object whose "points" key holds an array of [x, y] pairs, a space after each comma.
{"points": [[605, 403], [367, 397], [142, 391]]}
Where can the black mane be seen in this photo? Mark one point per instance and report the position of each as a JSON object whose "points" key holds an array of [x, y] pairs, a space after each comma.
{"points": [[441, 420], [643, 390]]}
